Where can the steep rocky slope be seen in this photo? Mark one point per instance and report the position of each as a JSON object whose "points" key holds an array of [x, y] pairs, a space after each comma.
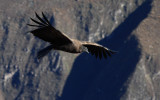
{"points": [[128, 26]]}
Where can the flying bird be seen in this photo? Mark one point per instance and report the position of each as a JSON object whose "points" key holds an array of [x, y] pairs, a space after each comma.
{"points": [[60, 41]]}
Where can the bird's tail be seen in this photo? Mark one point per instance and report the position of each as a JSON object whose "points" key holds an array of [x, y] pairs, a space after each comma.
{"points": [[44, 51]]}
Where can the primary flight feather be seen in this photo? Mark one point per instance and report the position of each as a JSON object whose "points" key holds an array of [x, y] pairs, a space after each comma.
{"points": [[60, 41]]}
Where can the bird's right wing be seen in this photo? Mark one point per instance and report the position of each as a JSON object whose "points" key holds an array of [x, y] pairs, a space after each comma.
{"points": [[47, 32], [98, 50]]}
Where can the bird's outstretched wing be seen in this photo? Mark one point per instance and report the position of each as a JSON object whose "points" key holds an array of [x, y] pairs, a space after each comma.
{"points": [[98, 50], [47, 32]]}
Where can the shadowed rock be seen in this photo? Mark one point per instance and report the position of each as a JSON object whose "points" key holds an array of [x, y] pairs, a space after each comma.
{"points": [[105, 80]]}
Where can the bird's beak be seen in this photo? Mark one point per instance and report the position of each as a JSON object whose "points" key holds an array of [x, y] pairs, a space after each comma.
{"points": [[86, 50]]}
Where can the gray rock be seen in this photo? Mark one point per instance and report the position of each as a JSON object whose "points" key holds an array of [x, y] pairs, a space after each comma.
{"points": [[129, 26]]}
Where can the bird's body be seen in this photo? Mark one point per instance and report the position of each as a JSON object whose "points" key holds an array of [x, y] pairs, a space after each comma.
{"points": [[60, 41], [73, 47]]}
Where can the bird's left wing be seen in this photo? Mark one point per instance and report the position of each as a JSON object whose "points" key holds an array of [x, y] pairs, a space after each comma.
{"points": [[47, 32], [98, 50]]}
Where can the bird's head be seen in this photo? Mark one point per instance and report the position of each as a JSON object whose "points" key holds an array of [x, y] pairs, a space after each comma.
{"points": [[84, 49]]}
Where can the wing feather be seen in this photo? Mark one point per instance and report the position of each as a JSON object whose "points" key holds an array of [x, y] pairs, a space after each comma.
{"points": [[100, 53], [104, 53], [47, 32], [108, 52], [34, 25], [46, 19], [41, 19], [98, 50], [37, 22]]}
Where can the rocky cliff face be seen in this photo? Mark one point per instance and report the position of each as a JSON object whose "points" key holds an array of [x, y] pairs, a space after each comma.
{"points": [[128, 26]]}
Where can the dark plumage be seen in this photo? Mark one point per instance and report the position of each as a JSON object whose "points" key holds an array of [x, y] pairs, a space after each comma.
{"points": [[60, 41]]}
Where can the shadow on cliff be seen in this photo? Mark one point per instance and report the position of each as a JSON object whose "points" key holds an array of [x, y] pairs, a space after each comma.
{"points": [[94, 79]]}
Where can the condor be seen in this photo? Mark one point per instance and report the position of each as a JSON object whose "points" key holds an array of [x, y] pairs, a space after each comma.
{"points": [[60, 41]]}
